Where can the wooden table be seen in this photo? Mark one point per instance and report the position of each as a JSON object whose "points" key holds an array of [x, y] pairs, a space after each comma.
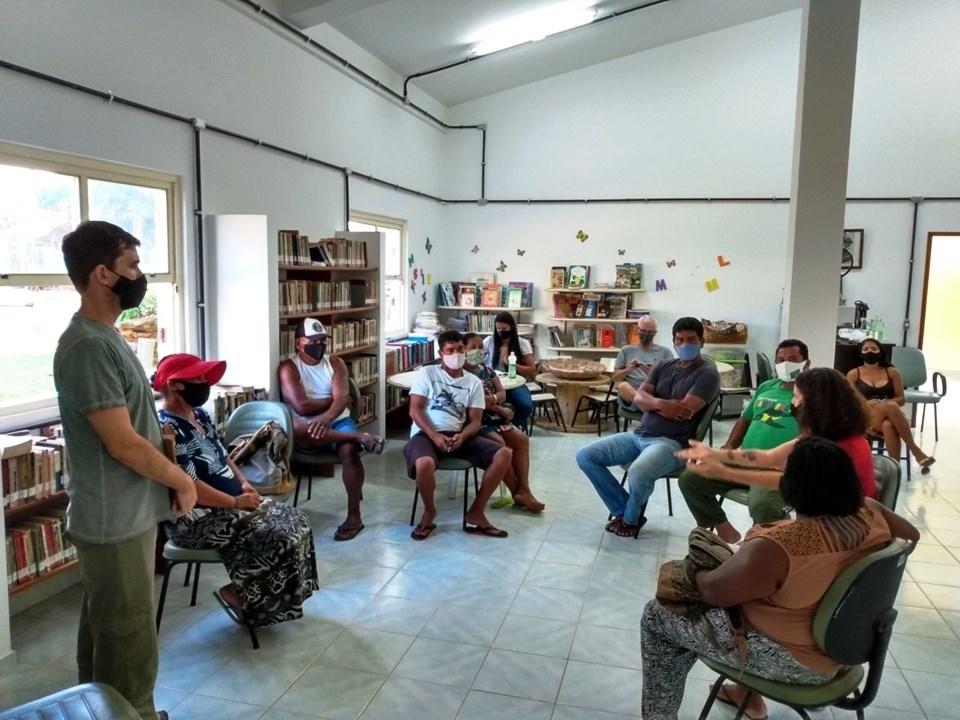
{"points": [[405, 380]]}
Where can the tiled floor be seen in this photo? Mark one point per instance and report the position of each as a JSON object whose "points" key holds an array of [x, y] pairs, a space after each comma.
{"points": [[543, 625]]}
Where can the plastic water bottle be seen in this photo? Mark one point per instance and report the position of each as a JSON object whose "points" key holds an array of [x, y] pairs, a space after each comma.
{"points": [[880, 330], [511, 365], [872, 328]]}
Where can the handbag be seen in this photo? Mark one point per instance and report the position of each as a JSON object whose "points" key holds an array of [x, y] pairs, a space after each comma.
{"points": [[260, 456]]}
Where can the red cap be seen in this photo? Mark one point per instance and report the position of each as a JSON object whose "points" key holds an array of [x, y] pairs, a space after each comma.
{"points": [[183, 366]]}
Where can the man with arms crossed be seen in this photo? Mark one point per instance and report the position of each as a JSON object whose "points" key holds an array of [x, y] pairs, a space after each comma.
{"points": [[120, 481]]}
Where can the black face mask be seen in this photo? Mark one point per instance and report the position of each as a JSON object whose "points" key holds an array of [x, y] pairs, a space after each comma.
{"points": [[316, 351], [130, 292], [646, 337], [870, 358], [195, 394]]}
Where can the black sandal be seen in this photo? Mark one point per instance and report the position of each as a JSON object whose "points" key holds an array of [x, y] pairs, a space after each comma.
{"points": [[925, 465], [613, 525], [630, 530]]}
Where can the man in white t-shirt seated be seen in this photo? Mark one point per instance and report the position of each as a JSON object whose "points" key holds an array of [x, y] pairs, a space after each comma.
{"points": [[446, 406], [314, 385]]}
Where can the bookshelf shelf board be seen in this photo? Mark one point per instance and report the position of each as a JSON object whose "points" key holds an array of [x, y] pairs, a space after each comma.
{"points": [[330, 313], [326, 268], [21, 512], [351, 351], [612, 321], [369, 383], [599, 291], [481, 308], [591, 349], [32, 582]]}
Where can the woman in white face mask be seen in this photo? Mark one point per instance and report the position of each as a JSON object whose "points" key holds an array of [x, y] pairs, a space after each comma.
{"points": [[880, 384], [497, 425]]}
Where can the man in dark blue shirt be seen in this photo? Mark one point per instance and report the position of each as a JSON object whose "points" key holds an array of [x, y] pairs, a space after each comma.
{"points": [[672, 399]]}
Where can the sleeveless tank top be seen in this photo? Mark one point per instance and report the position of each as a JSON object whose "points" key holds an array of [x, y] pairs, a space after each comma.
{"points": [[317, 381], [818, 550], [876, 392]]}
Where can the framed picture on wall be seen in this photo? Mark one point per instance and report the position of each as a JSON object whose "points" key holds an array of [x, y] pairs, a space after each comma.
{"points": [[853, 248]]}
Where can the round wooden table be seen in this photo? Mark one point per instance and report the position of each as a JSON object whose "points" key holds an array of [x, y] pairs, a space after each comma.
{"points": [[405, 380], [568, 394]]}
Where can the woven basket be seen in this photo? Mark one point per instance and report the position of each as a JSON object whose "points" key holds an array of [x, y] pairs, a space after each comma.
{"points": [[722, 332], [574, 368]]}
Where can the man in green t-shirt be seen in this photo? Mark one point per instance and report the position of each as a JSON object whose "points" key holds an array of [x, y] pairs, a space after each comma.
{"points": [[767, 421], [121, 484]]}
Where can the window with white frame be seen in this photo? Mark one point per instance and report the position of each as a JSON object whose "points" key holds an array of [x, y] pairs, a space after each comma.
{"points": [[43, 196], [395, 239]]}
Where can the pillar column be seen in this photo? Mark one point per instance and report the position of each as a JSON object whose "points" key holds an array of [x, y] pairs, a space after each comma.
{"points": [[821, 148]]}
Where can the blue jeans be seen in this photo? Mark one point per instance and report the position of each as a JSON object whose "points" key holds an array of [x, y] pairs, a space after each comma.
{"points": [[522, 402], [649, 458]]}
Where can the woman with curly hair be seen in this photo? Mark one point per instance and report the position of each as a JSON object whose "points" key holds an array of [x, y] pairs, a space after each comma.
{"points": [[826, 407], [880, 385]]}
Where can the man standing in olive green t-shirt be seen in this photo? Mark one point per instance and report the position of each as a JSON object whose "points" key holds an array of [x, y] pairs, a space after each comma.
{"points": [[120, 481], [767, 421]]}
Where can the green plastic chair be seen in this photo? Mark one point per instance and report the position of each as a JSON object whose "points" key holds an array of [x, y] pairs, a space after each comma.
{"points": [[913, 369], [703, 428], [309, 460], [852, 625], [251, 416], [764, 368], [90, 701]]}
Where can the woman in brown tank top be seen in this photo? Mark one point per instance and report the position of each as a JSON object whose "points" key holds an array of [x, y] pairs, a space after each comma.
{"points": [[776, 579]]}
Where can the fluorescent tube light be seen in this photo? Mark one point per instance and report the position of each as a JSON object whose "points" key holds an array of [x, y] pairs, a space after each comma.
{"points": [[532, 26]]}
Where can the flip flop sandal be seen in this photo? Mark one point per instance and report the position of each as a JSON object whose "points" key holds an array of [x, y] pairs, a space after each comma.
{"points": [[925, 465], [486, 531], [726, 700], [611, 527], [422, 532], [235, 614], [342, 534]]}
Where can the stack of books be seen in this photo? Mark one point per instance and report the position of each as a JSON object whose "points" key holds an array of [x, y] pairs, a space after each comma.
{"points": [[227, 398], [363, 369], [293, 248], [403, 355], [339, 252], [427, 324], [352, 334], [33, 468]]}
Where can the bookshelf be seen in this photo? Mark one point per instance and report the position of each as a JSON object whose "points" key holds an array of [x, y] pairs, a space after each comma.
{"points": [[598, 290], [596, 320], [37, 556], [404, 355], [253, 309]]}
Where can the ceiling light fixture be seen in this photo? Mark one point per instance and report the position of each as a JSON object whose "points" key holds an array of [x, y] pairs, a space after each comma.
{"points": [[532, 26]]}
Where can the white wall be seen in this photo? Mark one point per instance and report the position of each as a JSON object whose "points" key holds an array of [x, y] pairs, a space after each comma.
{"points": [[713, 116]]}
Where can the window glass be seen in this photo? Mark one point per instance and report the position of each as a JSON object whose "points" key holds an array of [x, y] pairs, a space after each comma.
{"points": [[37, 208], [141, 211]]}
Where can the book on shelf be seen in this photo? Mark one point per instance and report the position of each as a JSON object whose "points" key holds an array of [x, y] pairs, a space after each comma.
{"points": [[396, 397], [606, 335], [583, 337], [293, 248], [558, 276], [363, 369], [491, 296], [37, 546], [629, 276], [514, 298], [526, 293], [603, 309], [591, 305], [617, 306], [36, 474], [637, 313], [447, 296], [580, 309], [578, 277], [342, 252], [407, 354], [349, 334], [467, 295], [368, 408], [556, 336], [227, 398], [632, 335], [565, 305]]}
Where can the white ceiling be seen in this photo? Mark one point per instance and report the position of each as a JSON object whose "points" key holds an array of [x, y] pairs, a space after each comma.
{"points": [[415, 35]]}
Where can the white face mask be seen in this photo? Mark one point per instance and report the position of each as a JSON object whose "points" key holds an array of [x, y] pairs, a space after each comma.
{"points": [[454, 361], [788, 371]]}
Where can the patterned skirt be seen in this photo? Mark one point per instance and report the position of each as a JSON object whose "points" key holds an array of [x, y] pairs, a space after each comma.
{"points": [[268, 553]]}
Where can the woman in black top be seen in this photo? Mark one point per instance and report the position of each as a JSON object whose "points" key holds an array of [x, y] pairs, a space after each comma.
{"points": [[881, 386]]}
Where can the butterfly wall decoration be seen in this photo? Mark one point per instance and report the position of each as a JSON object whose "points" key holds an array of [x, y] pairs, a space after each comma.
{"points": [[475, 249], [429, 246], [502, 266]]}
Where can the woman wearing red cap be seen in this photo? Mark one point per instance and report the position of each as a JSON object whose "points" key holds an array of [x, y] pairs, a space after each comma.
{"points": [[267, 548]]}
